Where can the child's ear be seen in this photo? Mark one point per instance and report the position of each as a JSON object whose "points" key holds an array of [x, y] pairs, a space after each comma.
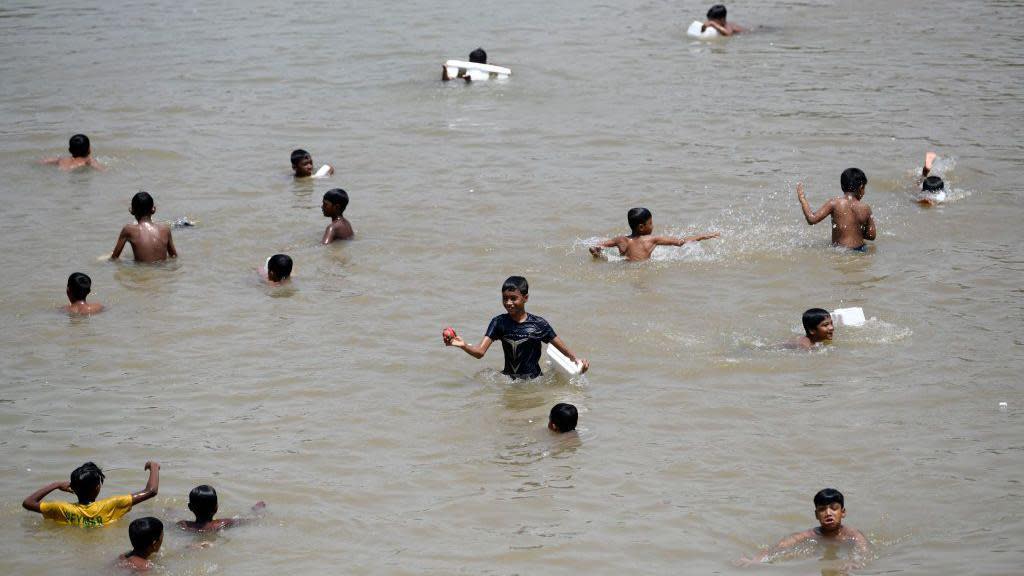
{"points": [[551, 426]]}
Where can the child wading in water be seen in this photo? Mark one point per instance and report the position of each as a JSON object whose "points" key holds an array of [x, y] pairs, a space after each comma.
{"points": [[640, 243]]}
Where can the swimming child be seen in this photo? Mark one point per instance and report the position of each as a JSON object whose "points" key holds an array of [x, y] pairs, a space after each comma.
{"points": [[932, 187], [150, 242], [335, 202], [829, 509], [146, 535], [86, 481], [81, 155], [716, 19], [640, 244], [563, 418], [852, 222], [818, 329], [478, 56], [520, 333], [278, 269], [79, 286], [302, 164], [202, 501]]}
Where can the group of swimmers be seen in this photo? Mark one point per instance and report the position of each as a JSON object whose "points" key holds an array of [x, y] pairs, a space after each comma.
{"points": [[521, 335]]}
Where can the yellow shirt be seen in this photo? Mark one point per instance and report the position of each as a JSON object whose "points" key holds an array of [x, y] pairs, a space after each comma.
{"points": [[98, 513]]}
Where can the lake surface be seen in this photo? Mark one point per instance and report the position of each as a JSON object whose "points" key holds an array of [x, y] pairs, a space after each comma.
{"points": [[380, 451]]}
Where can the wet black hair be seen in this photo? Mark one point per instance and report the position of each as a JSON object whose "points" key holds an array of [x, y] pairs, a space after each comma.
{"points": [[564, 417], [813, 317], [478, 56], [338, 197], [517, 283], [86, 478], [828, 496], [143, 532], [298, 155], [202, 500], [852, 179], [142, 204], [636, 217], [932, 184], [78, 145], [716, 12], [280, 265], [79, 286]]}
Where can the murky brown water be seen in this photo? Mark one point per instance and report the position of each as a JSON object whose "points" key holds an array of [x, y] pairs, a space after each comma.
{"points": [[379, 451]]}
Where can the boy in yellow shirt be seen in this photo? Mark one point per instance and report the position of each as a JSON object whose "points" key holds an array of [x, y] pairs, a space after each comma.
{"points": [[86, 481]]}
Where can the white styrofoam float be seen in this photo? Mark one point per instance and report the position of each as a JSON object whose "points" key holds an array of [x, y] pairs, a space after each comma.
{"points": [[323, 172], [563, 363], [848, 317], [694, 31], [474, 70]]}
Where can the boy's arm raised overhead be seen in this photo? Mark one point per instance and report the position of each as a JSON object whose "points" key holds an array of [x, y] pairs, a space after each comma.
{"points": [[152, 485], [121, 239], [812, 217], [35, 498], [474, 351]]}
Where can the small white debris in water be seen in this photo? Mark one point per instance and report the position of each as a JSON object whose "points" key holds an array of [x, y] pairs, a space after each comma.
{"points": [[1003, 405]]}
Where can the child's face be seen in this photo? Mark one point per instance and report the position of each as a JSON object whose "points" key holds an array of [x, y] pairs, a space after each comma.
{"points": [[304, 167], [514, 301], [830, 516], [328, 209], [823, 331], [647, 227]]}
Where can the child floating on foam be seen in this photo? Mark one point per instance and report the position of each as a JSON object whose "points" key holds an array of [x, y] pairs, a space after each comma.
{"points": [[81, 155], [520, 333], [476, 69], [717, 20], [932, 187], [852, 222], [818, 330], [640, 243], [302, 165]]}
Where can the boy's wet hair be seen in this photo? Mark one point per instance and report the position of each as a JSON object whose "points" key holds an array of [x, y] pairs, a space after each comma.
{"points": [[202, 500], [298, 155], [78, 146], [813, 317], [852, 179], [142, 204], [478, 56], [79, 286], [932, 184], [636, 217], [280, 265], [716, 12], [564, 417], [828, 496], [143, 532], [338, 197], [517, 283], [86, 478]]}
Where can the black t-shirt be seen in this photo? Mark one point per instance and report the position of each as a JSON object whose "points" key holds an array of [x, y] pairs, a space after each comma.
{"points": [[521, 343]]}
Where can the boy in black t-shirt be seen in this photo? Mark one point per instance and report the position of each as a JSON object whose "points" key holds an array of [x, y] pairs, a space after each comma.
{"points": [[520, 333]]}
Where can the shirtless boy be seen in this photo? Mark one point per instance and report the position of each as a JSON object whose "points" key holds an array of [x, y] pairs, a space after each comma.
{"points": [[79, 286], [852, 222], [202, 501], [716, 19], [150, 242], [81, 155], [335, 202], [830, 511], [640, 243], [818, 328], [302, 164], [146, 535]]}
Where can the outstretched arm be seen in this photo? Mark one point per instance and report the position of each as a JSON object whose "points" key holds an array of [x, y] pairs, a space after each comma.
{"points": [[557, 343], [676, 241], [50, 161], [785, 544], [812, 217], [477, 351], [595, 250], [121, 239], [152, 485], [35, 498]]}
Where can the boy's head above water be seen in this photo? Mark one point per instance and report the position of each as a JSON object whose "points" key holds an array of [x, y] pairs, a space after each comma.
{"points": [[818, 324], [335, 202], [717, 12], [515, 291], [146, 535], [932, 184], [78, 146], [279, 268], [563, 418], [853, 181], [79, 286], [202, 501], [829, 509], [302, 163], [640, 221], [86, 481], [478, 56], [142, 205]]}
